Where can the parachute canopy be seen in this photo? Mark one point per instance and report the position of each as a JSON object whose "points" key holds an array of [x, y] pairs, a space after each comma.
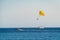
{"points": [[41, 13]]}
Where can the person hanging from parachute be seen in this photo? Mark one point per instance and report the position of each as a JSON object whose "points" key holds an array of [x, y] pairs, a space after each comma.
{"points": [[41, 13]]}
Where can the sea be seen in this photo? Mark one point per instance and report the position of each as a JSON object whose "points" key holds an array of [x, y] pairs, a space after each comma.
{"points": [[29, 33]]}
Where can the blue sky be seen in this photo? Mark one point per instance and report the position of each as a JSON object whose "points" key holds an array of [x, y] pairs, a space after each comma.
{"points": [[23, 13]]}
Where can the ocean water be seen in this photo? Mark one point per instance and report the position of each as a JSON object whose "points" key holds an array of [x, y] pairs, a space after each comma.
{"points": [[29, 34]]}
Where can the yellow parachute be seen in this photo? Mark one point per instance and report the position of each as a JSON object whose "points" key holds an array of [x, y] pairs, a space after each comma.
{"points": [[41, 13]]}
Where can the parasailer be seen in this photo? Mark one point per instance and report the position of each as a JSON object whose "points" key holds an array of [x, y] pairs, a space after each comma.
{"points": [[41, 13]]}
